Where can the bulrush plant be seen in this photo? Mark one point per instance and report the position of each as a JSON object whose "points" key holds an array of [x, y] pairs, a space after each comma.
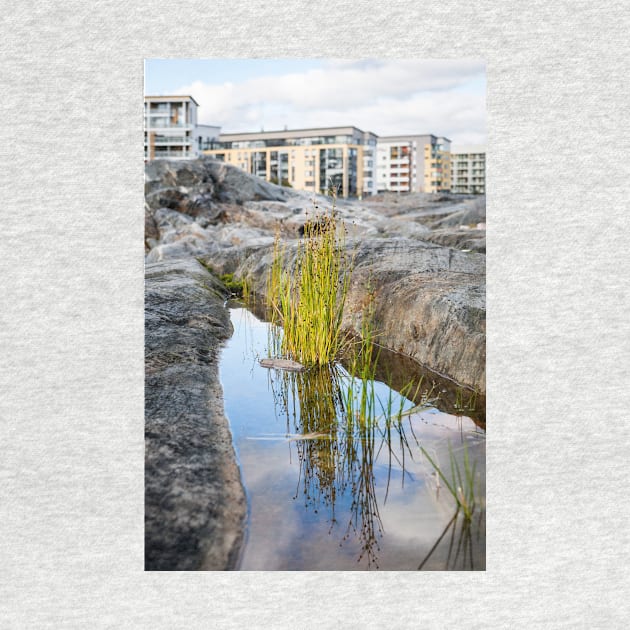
{"points": [[307, 300]]}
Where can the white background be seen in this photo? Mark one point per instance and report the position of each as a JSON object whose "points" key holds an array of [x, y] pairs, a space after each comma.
{"points": [[71, 329]]}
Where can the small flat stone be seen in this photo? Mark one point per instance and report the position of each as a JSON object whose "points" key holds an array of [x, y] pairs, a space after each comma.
{"points": [[282, 364]]}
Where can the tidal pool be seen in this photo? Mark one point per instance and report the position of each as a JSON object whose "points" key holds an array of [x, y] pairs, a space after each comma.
{"points": [[326, 492]]}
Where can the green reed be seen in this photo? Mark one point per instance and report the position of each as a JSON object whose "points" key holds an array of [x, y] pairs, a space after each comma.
{"points": [[359, 395], [307, 299], [461, 484], [275, 281]]}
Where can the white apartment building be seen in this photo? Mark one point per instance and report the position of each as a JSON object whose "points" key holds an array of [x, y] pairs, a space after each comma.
{"points": [[171, 130], [468, 165], [413, 163]]}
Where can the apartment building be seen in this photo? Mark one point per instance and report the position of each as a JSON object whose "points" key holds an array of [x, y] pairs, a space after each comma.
{"points": [[413, 163], [306, 159], [468, 165], [171, 130]]}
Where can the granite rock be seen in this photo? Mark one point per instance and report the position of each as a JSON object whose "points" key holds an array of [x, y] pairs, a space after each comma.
{"points": [[194, 500]]}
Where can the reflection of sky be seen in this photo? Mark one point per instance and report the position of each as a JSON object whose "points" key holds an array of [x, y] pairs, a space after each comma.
{"points": [[284, 533]]}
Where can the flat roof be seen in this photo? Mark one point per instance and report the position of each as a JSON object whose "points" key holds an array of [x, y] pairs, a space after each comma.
{"points": [[172, 97], [412, 135], [291, 133], [468, 148]]}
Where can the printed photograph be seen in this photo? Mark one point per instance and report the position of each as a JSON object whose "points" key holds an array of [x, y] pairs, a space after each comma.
{"points": [[315, 314]]}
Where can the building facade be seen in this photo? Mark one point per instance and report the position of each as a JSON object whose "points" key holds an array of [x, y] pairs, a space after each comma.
{"points": [[355, 162], [469, 169], [306, 159], [414, 163], [171, 130]]}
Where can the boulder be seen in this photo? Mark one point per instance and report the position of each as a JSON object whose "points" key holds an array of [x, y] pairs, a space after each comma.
{"points": [[429, 303], [193, 187], [195, 504], [429, 300]]}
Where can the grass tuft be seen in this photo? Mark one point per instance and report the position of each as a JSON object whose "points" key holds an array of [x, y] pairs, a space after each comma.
{"points": [[307, 300]]}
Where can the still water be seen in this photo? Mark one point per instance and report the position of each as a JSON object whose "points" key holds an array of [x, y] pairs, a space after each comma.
{"points": [[326, 492]]}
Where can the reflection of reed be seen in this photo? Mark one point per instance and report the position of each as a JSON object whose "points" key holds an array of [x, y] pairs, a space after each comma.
{"points": [[365, 519], [398, 369], [463, 485], [343, 434], [311, 402], [460, 556]]}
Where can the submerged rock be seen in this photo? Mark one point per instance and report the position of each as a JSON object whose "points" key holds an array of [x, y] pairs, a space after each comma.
{"points": [[282, 364], [194, 499]]}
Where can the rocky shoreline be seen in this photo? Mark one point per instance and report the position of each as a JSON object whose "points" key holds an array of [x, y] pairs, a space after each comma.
{"points": [[422, 256], [430, 297]]}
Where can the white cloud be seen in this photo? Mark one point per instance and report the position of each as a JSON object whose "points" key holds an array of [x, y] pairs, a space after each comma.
{"points": [[387, 97]]}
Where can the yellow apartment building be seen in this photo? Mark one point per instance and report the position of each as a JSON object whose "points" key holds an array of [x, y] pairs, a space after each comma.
{"points": [[306, 159]]}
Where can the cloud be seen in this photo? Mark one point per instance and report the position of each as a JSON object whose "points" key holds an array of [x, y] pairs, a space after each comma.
{"points": [[387, 97]]}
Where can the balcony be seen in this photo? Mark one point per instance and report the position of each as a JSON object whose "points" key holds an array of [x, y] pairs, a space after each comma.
{"points": [[174, 154], [165, 123], [165, 140]]}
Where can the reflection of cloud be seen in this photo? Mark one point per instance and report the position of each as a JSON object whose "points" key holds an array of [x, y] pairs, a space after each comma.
{"points": [[384, 96], [272, 526], [284, 534]]}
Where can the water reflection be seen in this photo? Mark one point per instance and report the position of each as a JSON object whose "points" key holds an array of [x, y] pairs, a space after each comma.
{"points": [[460, 551], [345, 454], [341, 427]]}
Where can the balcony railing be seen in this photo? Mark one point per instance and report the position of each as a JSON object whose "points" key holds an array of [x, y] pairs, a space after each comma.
{"points": [[163, 123], [174, 154], [173, 140]]}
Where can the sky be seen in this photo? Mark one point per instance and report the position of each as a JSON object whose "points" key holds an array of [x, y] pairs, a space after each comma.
{"points": [[386, 96]]}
